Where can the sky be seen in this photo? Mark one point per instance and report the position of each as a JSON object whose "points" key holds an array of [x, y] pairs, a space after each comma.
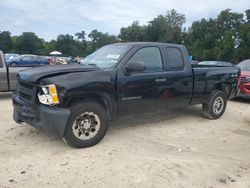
{"points": [[49, 18]]}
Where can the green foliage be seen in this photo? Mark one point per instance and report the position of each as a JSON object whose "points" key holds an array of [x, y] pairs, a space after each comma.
{"points": [[99, 39], [29, 43], [223, 38], [6, 42], [135, 33], [166, 28], [66, 44], [227, 37]]}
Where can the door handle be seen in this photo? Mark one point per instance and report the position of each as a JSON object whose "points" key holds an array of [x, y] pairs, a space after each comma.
{"points": [[161, 80]]}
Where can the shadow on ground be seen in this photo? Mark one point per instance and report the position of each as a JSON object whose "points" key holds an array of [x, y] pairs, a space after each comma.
{"points": [[241, 100], [148, 119]]}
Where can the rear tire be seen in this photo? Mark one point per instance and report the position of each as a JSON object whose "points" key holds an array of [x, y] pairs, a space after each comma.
{"points": [[215, 106], [87, 125]]}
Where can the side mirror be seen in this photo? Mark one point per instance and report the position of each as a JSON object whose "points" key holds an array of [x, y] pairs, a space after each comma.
{"points": [[134, 66]]}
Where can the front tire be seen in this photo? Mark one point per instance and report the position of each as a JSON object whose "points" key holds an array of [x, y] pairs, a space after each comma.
{"points": [[87, 125], [216, 105]]}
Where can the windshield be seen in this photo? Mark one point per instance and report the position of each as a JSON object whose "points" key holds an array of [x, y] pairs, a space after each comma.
{"points": [[107, 56], [245, 65]]}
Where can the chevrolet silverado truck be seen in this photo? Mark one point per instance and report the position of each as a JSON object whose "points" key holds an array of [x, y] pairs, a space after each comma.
{"points": [[77, 101], [8, 75]]}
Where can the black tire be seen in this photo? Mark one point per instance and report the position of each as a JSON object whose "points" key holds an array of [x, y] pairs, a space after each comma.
{"points": [[78, 113], [210, 109]]}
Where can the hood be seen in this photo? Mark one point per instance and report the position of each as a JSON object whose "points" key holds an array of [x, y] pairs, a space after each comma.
{"points": [[245, 74], [37, 73]]}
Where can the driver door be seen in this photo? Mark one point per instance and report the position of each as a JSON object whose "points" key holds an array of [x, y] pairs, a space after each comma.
{"points": [[140, 91]]}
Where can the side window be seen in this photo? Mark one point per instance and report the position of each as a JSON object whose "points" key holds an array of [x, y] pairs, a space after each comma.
{"points": [[175, 59], [25, 58], [151, 57]]}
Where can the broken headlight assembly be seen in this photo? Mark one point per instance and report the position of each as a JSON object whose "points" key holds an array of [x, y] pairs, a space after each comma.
{"points": [[48, 94]]}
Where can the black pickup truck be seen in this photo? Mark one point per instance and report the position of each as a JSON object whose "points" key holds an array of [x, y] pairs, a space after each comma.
{"points": [[76, 101]]}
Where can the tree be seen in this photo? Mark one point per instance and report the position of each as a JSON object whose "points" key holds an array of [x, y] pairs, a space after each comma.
{"points": [[224, 38], [99, 39], [242, 50], [134, 32], [29, 43], [6, 43], [166, 28], [248, 15], [66, 44], [81, 35], [82, 43], [201, 39]]}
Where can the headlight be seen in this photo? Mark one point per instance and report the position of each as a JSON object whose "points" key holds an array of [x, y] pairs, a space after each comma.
{"points": [[48, 95]]}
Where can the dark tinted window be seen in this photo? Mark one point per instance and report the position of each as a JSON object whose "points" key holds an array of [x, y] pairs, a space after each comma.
{"points": [[151, 57], [175, 60]]}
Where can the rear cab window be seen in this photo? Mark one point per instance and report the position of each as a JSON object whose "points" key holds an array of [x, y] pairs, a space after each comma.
{"points": [[174, 59]]}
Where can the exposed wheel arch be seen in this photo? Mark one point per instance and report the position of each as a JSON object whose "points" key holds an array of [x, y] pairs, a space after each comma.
{"points": [[103, 99], [225, 87]]}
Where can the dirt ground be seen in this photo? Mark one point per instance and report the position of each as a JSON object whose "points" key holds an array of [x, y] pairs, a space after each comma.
{"points": [[176, 148]]}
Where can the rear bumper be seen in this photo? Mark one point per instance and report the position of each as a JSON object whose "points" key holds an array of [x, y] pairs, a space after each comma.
{"points": [[49, 118]]}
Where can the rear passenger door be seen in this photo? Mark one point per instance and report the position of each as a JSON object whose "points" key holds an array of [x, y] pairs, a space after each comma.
{"points": [[179, 76]]}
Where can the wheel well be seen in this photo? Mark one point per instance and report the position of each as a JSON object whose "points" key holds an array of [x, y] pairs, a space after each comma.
{"points": [[105, 103], [226, 88]]}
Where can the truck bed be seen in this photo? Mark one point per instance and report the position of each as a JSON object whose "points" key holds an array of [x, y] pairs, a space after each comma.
{"points": [[206, 77]]}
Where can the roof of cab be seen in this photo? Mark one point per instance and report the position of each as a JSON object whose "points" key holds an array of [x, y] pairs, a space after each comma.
{"points": [[148, 44]]}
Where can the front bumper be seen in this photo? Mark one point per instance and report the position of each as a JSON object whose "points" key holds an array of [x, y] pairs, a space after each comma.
{"points": [[50, 118]]}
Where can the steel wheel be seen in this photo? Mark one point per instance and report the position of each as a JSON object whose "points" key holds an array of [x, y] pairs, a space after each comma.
{"points": [[215, 105], [218, 105], [86, 126]]}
